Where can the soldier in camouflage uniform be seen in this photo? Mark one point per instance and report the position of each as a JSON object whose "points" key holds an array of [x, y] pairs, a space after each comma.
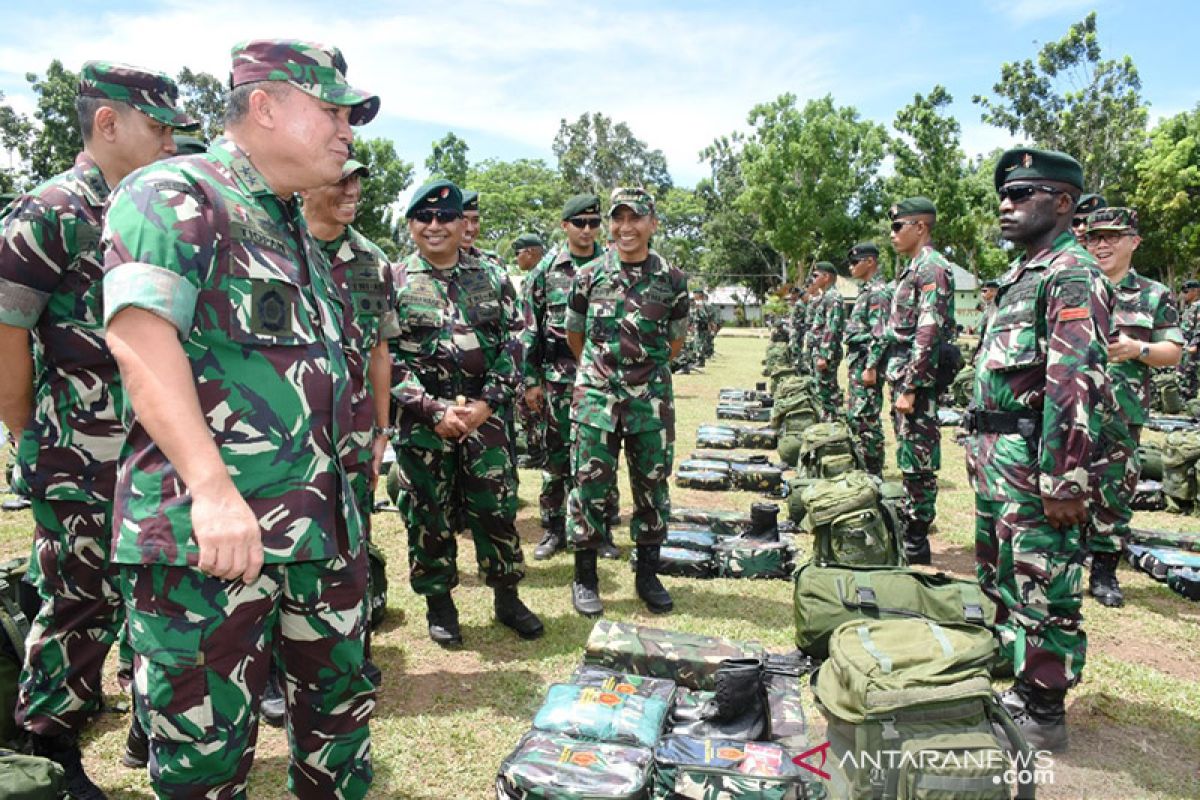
{"points": [[531, 423], [550, 367], [866, 345], [1189, 323], [458, 366], [61, 399], [1086, 205], [801, 312], [1040, 396], [826, 332], [235, 518], [920, 323], [698, 323], [708, 330], [626, 317], [1147, 336]]}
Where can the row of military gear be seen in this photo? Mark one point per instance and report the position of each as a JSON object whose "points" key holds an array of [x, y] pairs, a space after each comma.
{"points": [[1170, 557], [697, 550], [657, 715]]}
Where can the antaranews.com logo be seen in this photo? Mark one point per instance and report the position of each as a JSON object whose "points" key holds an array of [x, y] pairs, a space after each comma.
{"points": [[1036, 767]]}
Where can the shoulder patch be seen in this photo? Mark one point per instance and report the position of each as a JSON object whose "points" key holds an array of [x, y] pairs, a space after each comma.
{"points": [[1074, 293], [1170, 315], [1069, 314]]}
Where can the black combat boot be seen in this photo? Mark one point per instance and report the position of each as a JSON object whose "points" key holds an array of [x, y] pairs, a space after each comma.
{"points": [[1040, 714], [585, 589], [649, 587], [916, 542], [609, 550], [1102, 583], [273, 708], [137, 745], [63, 750], [442, 617], [511, 612], [554, 539], [738, 709], [764, 522]]}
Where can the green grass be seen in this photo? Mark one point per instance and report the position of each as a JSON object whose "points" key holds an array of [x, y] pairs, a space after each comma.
{"points": [[445, 720]]}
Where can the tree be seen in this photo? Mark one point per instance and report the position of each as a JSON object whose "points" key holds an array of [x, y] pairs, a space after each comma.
{"points": [[1167, 197], [812, 175], [1072, 100], [680, 222], [378, 215], [14, 130], [52, 147], [203, 96], [515, 197], [595, 155], [448, 159]]}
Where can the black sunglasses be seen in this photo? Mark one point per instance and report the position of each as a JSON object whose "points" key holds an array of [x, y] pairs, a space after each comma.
{"points": [[585, 222], [1019, 193], [899, 224], [442, 215]]}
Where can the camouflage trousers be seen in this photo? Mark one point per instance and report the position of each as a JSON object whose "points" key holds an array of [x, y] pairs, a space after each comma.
{"points": [[468, 486], [556, 474], [532, 426], [1035, 574], [649, 455], [829, 392], [79, 618], [1114, 482], [203, 649], [866, 416], [1189, 377], [918, 455]]}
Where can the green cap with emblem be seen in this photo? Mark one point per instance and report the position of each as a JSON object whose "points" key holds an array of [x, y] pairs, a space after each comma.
{"points": [[1089, 203], [911, 207], [636, 198], [355, 167], [990, 283], [581, 204], [152, 93], [189, 145], [863, 250], [1031, 163], [470, 200], [825, 266], [526, 240], [1116, 218], [437, 194], [315, 69]]}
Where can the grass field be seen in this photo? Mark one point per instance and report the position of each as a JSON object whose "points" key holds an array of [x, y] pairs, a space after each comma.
{"points": [[446, 719]]}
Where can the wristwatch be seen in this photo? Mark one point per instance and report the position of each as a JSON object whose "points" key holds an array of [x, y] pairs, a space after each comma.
{"points": [[1145, 351], [389, 431]]}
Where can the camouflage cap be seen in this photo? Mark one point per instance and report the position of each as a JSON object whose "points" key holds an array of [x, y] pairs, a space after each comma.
{"points": [[152, 93], [470, 200], [435, 194], [353, 167], [581, 204], [315, 69], [526, 240], [1115, 218], [863, 250], [911, 207], [189, 145], [1089, 203], [1027, 163], [638, 199]]}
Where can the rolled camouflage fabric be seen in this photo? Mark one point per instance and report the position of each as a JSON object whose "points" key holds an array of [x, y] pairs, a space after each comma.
{"points": [[152, 93], [315, 69]]}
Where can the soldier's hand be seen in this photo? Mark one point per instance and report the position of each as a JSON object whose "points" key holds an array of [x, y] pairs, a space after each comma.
{"points": [[452, 424], [535, 397], [378, 449], [869, 377], [905, 402], [1124, 349], [477, 413], [1065, 513], [822, 364], [228, 534]]}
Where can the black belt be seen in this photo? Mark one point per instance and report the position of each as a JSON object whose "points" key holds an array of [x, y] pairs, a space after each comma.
{"points": [[1025, 423]]}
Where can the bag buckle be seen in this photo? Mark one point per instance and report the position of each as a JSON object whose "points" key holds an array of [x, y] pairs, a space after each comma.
{"points": [[866, 596], [973, 613]]}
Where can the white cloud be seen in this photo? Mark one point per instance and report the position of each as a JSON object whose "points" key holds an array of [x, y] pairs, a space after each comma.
{"points": [[979, 138], [1023, 12]]}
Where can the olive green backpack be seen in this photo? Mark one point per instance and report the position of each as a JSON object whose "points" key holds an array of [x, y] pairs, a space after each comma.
{"points": [[848, 522], [1179, 457]]}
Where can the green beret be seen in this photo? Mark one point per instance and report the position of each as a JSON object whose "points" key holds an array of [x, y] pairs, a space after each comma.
{"points": [[825, 266], [581, 204], [353, 167], [863, 250], [1189, 285], [315, 69], [188, 145], [527, 240], [1113, 219], [1089, 203], [470, 200], [1030, 163], [435, 194], [152, 93], [990, 283], [911, 207], [636, 198]]}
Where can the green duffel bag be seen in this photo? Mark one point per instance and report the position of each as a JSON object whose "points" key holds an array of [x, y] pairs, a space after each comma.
{"points": [[1179, 456], [1150, 461], [858, 538], [689, 768], [742, 557], [549, 766], [682, 562], [689, 659], [825, 597], [915, 697], [789, 448], [1167, 396], [826, 500], [25, 777]]}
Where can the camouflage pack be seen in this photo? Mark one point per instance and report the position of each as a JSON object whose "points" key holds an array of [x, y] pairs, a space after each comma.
{"points": [[757, 437], [689, 659], [608, 680], [682, 562], [757, 477], [705, 480], [705, 465], [722, 437], [730, 456], [1180, 454], [1185, 582], [691, 537], [1167, 397], [688, 768], [789, 728], [722, 523], [744, 411], [747, 558], [729, 394], [548, 766], [1180, 540], [590, 712], [1157, 562]]}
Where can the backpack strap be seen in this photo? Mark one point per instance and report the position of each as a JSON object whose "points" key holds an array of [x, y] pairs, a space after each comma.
{"points": [[13, 624], [868, 644], [1026, 790]]}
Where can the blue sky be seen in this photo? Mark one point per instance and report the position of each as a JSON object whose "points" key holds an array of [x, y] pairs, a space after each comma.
{"points": [[502, 74]]}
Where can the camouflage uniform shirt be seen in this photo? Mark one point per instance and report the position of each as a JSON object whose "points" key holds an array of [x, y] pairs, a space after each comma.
{"points": [[922, 317], [548, 357], [203, 242], [867, 327], [629, 315], [1144, 310], [829, 326]]}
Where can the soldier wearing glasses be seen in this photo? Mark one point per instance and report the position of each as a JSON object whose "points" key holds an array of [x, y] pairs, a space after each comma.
{"points": [[457, 367]]}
